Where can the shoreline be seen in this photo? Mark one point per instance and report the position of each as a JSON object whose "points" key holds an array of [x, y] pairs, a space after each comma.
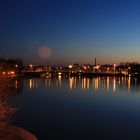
{"points": [[10, 132]]}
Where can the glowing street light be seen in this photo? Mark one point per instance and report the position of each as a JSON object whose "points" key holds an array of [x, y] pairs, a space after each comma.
{"points": [[70, 66], [114, 67], [31, 66], [97, 66]]}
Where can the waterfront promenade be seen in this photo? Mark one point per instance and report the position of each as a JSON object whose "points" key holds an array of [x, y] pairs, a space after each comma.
{"points": [[8, 132]]}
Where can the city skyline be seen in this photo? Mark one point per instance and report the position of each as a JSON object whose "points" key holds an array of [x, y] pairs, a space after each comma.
{"points": [[67, 32]]}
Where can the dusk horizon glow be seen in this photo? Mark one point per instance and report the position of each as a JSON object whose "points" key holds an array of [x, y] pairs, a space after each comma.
{"points": [[74, 31]]}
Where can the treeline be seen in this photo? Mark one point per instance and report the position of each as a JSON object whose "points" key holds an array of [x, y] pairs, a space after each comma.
{"points": [[11, 64]]}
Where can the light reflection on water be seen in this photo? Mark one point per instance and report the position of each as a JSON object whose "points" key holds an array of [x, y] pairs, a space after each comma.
{"points": [[107, 84], [66, 108], [84, 108]]}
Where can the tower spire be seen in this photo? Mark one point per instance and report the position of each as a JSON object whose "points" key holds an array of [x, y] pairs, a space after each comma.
{"points": [[95, 62]]}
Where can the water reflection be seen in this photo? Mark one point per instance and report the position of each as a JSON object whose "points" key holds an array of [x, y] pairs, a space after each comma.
{"points": [[108, 84], [33, 83], [104, 111], [58, 81], [72, 82], [96, 83], [129, 84], [114, 84], [86, 83], [48, 82], [10, 86]]}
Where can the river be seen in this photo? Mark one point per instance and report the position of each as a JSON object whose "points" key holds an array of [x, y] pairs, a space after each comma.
{"points": [[75, 108]]}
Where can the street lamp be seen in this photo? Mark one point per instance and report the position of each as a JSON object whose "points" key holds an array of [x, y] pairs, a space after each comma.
{"points": [[114, 68]]}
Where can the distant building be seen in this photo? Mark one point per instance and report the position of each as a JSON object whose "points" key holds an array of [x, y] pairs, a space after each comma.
{"points": [[135, 70]]}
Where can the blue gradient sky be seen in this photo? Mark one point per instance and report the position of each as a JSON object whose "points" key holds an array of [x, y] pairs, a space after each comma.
{"points": [[74, 30]]}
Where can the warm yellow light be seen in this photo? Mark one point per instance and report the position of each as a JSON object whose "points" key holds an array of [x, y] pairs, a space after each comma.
{"points": [[71, 82], [4, 73], [59, 73], [12, 72], [16, 84], [31, 83], [59, 80], [96, 83], [70, 66], [114, 84], [31, 66], [129, 84], [84, 81], [107, 83]]}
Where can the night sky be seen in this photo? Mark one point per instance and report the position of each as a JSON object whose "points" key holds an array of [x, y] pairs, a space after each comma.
{"points": [[56, 32]]}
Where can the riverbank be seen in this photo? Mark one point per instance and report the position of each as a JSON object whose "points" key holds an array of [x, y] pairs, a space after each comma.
{"points": [[8, 132]]}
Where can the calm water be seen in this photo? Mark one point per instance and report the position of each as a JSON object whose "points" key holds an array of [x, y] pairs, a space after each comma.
{"points": [[76, 108]]}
